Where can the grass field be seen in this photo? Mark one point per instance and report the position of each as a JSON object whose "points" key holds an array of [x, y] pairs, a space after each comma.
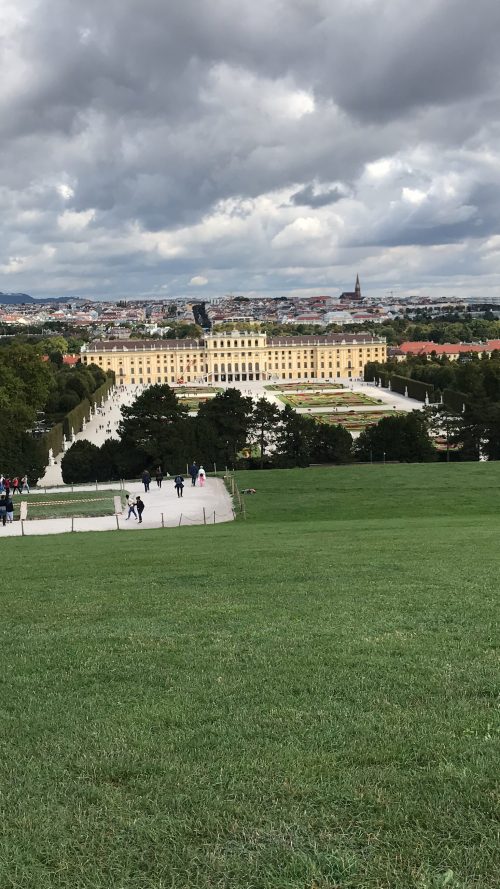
{"points": [[62, 505], [305, 700]]}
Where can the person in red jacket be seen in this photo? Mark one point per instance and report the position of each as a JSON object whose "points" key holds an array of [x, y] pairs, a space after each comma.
{"points": [[15, 486]]}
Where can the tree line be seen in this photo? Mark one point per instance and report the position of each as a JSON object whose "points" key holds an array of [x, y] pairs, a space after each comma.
{"points": [[34, 394], [471, 427]]}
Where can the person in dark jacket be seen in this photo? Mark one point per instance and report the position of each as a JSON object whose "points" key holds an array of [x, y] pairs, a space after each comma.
{"points": [[140, 507], [10, 510], [193, 472], [179, 484], [146, 480], [3, 509], [159, 476]]}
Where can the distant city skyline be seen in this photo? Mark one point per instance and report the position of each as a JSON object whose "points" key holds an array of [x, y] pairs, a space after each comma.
{"points": [[156, 150]]}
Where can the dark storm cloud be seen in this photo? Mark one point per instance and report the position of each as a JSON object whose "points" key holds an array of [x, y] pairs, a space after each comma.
{"points": [[309, 196], [130, 117]]}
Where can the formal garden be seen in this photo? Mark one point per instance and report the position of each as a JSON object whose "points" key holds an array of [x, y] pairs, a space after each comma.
{"points": [[327, 399], [195, 391], [303, 387], [355, 421]]}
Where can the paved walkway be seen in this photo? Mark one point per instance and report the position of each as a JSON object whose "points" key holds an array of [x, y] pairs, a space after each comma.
{"points": [[210, 504], [103, 426]]}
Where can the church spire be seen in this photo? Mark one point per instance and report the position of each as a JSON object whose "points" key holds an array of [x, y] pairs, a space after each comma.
{"points": [[357, 289]]}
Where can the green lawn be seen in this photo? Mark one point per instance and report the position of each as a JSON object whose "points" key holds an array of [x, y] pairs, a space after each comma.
{"points": [[62, 505], [305, 700]]}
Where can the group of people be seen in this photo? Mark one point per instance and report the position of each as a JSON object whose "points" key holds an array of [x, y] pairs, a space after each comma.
{"points": [[197, 474], [14, 486], [146, 478], [133, 505], [9, 487]]}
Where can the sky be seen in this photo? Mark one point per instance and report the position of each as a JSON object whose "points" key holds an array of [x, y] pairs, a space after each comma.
{"points": [[204, 147]]}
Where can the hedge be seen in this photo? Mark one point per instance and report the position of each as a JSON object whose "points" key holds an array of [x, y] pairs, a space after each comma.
{"points": [[414, 388], [455, 400], [52, 439], [102, 392], [80, 414], [74, 419]]}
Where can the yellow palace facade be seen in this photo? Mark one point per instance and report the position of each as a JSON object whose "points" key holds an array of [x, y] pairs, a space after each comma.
{"points": [[236, 357]]}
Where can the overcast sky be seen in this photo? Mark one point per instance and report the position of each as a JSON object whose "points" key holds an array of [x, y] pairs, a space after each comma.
{"points": [[200, 147]]}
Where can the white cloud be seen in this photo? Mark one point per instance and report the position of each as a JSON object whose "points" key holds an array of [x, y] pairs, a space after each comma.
{"points": [[73, 221], [198, 281]]}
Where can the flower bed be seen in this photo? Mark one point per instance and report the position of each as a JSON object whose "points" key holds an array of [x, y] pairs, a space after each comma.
{"points": [[303, 387], [186, 391], [354, 421], [327, 399]]}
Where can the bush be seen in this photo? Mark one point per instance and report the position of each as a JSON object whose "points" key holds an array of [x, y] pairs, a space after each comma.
{"points": [[80, 463]]}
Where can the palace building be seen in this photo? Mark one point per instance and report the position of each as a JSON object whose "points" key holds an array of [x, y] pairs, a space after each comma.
{"points": [[236, 357]]}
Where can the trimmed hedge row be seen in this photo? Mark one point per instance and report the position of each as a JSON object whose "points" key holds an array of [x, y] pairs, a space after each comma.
{"points": [[53, 439], [455, 400], [403, 385], [415, 388], [80, 414], [74, 419]]}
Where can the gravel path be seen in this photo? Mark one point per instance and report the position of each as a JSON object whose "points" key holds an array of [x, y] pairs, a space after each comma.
{"points": [[210, 504]]}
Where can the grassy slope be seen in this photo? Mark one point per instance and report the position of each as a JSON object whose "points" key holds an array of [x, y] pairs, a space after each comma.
{"points": [[305, 699]]}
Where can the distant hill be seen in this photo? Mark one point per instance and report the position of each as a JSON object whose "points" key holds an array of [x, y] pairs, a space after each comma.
{"points": [[17, 299], [14, 299]]}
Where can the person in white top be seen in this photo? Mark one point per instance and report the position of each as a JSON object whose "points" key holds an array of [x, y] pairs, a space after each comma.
{"points": [[201, 476]]}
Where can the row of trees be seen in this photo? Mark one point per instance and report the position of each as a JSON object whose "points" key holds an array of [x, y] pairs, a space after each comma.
{"points": [[472, 428], [478, 378], [231, 430], [453, 327], [34, 393]]}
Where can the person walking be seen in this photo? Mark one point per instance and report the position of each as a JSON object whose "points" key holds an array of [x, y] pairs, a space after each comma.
{"points": [[3, 509], [202, 477], [131, 508], [6, 485], [193, 472], [140, 507], [159, 476], [146, 480], [15, 486], [24, 485], [179, 484], [9, 506]]}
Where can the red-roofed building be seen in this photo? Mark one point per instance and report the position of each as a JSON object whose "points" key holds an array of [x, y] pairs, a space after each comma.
{"points": [[67, 359], [451, 350]]}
